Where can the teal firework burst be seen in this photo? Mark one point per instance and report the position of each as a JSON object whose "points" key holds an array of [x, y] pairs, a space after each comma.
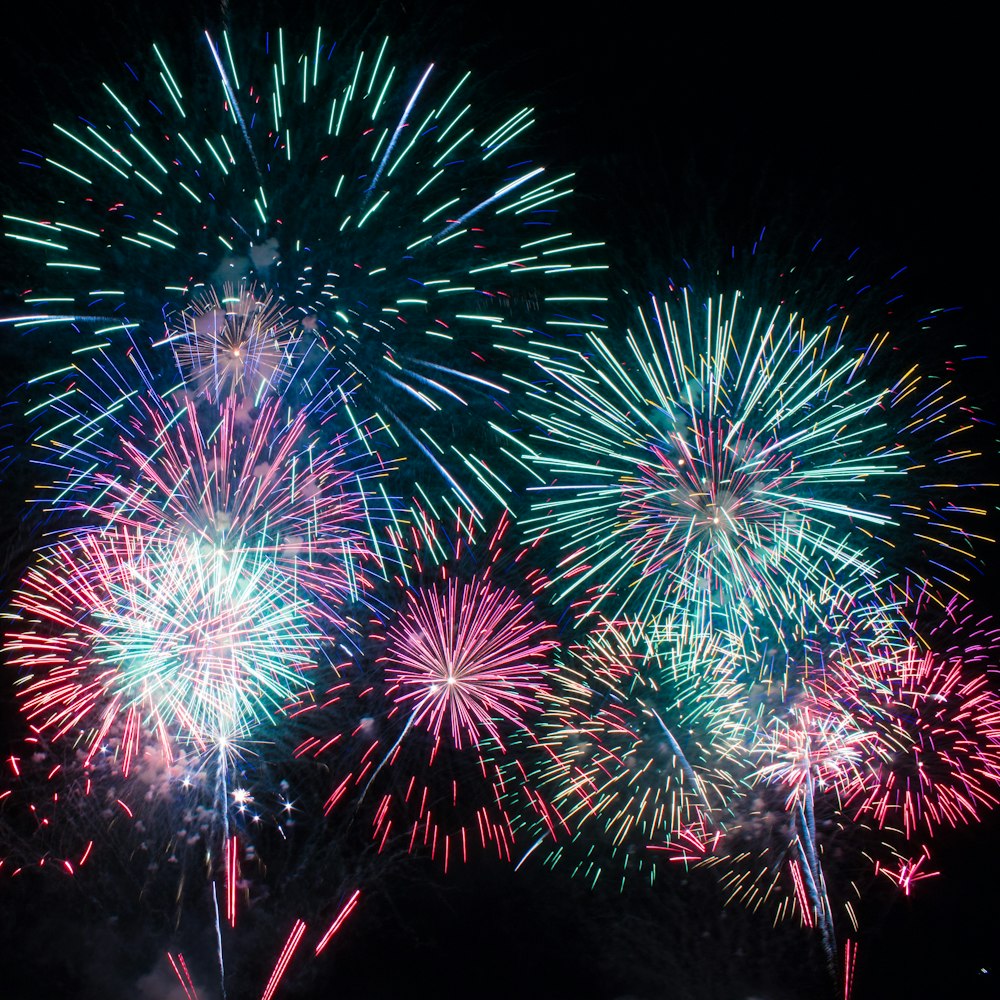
{"points": [[178, 639], [369, 200], [635, 746], [723, 459]]}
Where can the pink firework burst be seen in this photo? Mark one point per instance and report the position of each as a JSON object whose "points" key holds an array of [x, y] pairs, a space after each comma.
{"points": [[272, 479], [422, 732], [463, 655], [811, 750], [936, 738], [466, 652]]}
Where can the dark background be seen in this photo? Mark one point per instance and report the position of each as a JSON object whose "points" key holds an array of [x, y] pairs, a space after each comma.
{"points": [[689, 131]]}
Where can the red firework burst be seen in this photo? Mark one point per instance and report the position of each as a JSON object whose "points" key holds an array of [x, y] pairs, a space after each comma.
{"points": [[936, 738]]}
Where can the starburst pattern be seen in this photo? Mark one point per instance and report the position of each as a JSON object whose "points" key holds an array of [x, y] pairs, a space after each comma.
{"points": [[234, 344], [295, 190], [178, 639], [460, 655], [635, 746], [726, 460]]}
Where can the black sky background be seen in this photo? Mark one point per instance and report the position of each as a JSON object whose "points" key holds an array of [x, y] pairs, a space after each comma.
{"points": [[689, 131]]}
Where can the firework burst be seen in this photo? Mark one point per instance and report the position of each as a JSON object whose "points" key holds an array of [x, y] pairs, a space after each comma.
{"points": [[234, 344], [811, 750], [367, 201], [460, 667], [176, 638], [869, 743], [461, 655], [635, 747], [467, 651], [809, 753], [727, 463], [936, 756], [295, 485]]}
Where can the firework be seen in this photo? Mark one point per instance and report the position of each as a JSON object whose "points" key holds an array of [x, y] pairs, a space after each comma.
{"points": [[459, 669], [811, 752], [726, 460], [635, 746], [307, 236], [212, 543], [464, 656], [936, 755], [873, 742], [268, 186], [234, 344], [176, 638], [799, 762], [115, 791], [295, 485], [793, 850]]}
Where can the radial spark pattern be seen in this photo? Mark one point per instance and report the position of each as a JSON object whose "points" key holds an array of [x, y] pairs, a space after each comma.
{"points": [[372, 202], [726, 460], [234, 344], [812, 750], [635, 746], [296, 485], [179, 639], [462, 655], [428, 754], [936, 755]]}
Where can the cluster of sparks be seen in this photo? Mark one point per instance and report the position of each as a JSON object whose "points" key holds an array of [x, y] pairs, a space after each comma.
{"points": [[691, 646]]}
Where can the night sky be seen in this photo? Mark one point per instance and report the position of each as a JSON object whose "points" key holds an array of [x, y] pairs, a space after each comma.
{"points": [[690, 134]]}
